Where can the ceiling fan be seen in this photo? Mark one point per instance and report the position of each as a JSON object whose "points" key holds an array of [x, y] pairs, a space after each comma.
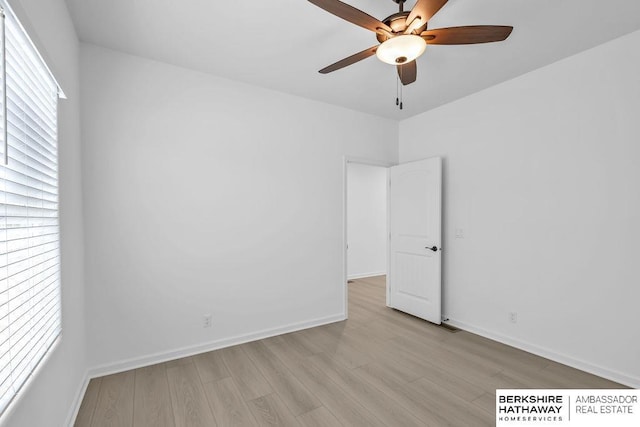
{"points": [[404, 36]]}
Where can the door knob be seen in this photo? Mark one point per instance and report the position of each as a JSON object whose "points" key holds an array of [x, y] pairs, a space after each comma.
{"points": [[434, 248]]}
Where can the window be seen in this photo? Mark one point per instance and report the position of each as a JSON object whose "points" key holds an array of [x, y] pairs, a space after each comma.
{"points": [[29, 231]]}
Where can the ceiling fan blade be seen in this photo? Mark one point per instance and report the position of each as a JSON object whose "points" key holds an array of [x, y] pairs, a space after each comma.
{"points": [[351, 14], [425, 9], [350, 60], [467, 35], [408, 72]]}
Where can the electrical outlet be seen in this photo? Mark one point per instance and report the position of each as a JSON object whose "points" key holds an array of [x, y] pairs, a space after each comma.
{"points": [[513, 317], [206, 321]]}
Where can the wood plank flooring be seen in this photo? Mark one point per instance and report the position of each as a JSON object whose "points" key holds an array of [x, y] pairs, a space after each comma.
{"points": [[379, 368]]}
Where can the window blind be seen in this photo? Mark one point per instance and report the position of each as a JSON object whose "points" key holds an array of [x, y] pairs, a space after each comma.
{"points": [[29, 231]]}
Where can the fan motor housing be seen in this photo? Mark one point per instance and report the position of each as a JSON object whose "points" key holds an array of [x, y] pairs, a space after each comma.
{"points": [[398, 23]]}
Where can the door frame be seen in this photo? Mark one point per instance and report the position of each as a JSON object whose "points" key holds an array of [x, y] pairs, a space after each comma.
{"points": [[345, 163]]}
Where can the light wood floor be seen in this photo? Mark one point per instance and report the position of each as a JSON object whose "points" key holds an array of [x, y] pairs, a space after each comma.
{"points": [[379, 368]]}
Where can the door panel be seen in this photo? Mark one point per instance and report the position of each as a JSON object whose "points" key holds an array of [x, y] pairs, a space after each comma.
{"points": [[415, 217]]}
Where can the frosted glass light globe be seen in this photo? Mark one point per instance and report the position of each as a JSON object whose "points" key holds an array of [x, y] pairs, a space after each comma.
{"points": [[401, 49]]}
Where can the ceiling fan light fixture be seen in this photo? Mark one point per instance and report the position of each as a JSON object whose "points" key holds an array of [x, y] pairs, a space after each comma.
{"points": [[401, 49]]}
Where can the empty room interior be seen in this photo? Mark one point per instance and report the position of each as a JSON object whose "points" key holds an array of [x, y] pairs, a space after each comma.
{"points": [[230, 214]]}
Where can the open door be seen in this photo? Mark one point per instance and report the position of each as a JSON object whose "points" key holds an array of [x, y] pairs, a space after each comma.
{"points": [[415, 251]]}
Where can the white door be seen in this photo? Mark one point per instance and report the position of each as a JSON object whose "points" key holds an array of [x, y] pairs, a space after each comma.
{"points": [[415, 220]]}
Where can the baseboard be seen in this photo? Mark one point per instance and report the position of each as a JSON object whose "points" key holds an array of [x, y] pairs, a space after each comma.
{"points": [[582, 365], [152, 359], [75, 408], [365, 275]]}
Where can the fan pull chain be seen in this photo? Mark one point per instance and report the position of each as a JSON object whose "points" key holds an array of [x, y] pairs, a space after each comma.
{"points": [[399, 89]]}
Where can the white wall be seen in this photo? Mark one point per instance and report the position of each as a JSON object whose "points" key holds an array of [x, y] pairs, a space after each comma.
{"points": [[366, 220], [50, 398], [204, 195], [541, 173]]}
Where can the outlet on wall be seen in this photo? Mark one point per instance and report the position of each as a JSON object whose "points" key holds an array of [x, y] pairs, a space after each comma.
{"points": [[206, 321], [513, 317]]}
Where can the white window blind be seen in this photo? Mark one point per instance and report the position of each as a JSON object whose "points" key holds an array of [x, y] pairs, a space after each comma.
{"points": [[29, 231]]}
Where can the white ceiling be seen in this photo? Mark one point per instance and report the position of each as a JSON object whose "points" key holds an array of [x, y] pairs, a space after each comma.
{"points": [[281, 44]]}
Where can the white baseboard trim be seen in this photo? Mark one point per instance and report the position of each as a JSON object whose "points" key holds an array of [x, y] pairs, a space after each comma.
{"points": [[365, 275], [152, 359], [75, 408], [600, 371]]}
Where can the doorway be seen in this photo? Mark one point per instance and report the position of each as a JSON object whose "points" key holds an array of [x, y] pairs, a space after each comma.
{"points": [[366, 226], [366, 221], [393, 233]]}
